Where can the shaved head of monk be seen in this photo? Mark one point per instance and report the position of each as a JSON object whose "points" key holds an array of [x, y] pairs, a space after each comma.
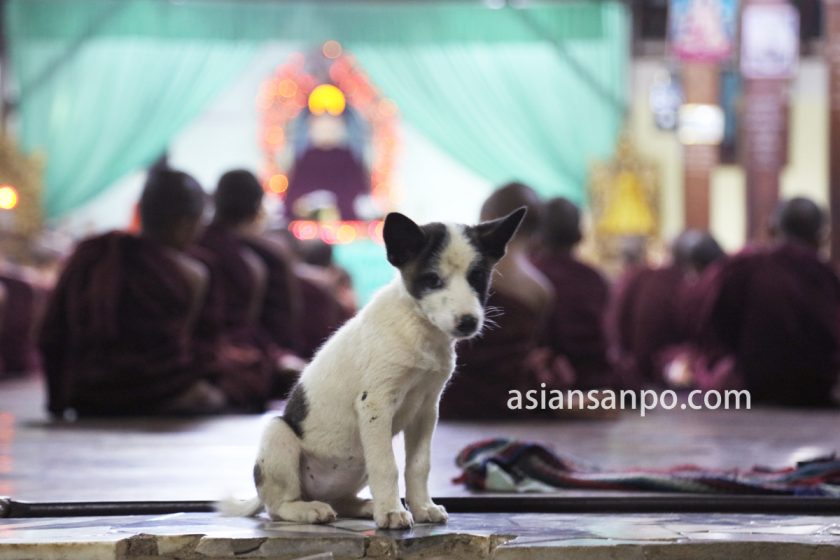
{"points": [[561, 224], [799, 219], [238, 199], [171, 207], [510, 197], [694, 250]]}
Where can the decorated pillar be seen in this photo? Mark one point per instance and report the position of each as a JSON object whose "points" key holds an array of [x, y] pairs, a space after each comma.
{"points": [[701, 130], [769, 57], [702, 36], [832, 53]]}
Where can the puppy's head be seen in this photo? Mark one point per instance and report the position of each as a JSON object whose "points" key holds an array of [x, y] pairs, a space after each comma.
{"points": [[446, 267]]}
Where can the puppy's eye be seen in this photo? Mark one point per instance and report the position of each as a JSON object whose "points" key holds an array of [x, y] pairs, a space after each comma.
{"points": [[430, 281]]}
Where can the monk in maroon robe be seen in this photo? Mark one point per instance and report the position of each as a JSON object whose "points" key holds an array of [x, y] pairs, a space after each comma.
{"points": [[775, 310], [18, 354], [647, 318], [117, 337], [507, 355], [322, 300], [254, 278], [575, 326]]}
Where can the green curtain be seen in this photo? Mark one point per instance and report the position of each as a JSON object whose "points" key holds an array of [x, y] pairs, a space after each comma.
{"points": [[512, 112], [531, 94], [105, 106]]}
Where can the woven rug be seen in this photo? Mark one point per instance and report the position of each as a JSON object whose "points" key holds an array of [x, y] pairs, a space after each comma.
{"points": [[507, 465]]}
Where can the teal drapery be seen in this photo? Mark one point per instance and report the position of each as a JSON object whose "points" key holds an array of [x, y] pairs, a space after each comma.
{"points": [[512, 112], [112, 105], [500, 92]]}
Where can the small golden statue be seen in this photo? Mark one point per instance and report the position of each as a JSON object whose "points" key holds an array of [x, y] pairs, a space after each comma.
{"points": [[624, 201]]}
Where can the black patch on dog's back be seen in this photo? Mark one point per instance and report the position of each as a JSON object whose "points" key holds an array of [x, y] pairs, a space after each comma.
{"points": [[258, 475], [297, 408], [437, 236]]}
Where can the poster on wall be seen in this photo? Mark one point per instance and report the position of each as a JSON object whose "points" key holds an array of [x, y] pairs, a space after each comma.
{"points": [[769, 41], [702, 30]]}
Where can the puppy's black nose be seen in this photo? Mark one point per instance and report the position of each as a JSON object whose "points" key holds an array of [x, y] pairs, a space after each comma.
{"points": [[466, 324]]}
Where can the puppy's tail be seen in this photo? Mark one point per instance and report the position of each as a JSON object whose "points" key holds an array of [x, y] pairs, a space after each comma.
{"points": [[239, 508]]}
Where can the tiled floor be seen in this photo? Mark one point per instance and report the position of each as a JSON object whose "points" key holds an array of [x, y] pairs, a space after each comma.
{"points": [[208, 459]]}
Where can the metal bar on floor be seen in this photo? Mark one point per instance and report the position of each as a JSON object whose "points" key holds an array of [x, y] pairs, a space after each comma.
{"points": [[778, 505]]}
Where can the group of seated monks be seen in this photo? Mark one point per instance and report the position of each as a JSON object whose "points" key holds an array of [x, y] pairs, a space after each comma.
{"points": [[180, 318], [20, 300], [765, 319], [183, 318]]}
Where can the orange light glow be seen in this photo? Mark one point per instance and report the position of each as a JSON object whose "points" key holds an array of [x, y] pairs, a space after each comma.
{"points": [[8, 197], [387, 108], [375, 231], [331, 49], [278, 183], [345, 234], [304, 230], [339, 232], [326, 98], [328, 234], [275, 135], [287, 88]]}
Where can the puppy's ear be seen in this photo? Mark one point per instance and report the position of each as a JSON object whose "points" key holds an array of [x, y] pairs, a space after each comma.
{"points": [[493, 236], [403, 238]]}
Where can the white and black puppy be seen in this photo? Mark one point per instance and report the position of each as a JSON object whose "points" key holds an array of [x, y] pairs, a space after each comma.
{"points": [[382, 373]]}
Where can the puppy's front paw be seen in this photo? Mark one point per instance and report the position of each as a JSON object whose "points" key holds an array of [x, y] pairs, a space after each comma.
{"points": [[304, 512], [394, 519], [430, 513]]}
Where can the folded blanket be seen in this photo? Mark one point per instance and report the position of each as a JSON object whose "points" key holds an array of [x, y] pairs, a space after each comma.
{"points": [[506, 465]]}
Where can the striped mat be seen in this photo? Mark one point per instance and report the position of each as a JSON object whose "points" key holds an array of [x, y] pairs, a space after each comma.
{"points": [[508, 465]]}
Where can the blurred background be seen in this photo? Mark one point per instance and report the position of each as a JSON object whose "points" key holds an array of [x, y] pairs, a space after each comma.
{"points": [[639, 111]]}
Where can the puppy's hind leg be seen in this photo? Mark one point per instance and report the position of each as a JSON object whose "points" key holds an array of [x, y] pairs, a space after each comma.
{"points": [[277, 478]]}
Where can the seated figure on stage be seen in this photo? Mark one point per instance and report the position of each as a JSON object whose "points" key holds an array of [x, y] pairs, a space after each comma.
{"points": [[117, 337], [506, 355], [774, 311], [650, 316], [575, 326]]}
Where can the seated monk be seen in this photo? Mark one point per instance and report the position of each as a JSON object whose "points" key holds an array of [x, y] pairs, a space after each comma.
{"points": [[18, 354], [241, 272], [325, 307], [644, 315], [117, 334], [3, 299], [254, 278], [575, 326], [319, 254], [506, 355], [774, 310]]}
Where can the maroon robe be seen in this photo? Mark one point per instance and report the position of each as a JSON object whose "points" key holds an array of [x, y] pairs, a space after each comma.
{"points": [[644, 320], [245, 364], [336, 170], [322, 313], [232, 273], [113, 339], [575, 326], [776, 312], [18, 354], [222, 251], [497, 361], [281, 310]]}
